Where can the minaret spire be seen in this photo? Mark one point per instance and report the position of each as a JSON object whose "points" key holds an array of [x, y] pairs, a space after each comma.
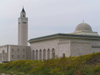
{"points": [[23, 9]]}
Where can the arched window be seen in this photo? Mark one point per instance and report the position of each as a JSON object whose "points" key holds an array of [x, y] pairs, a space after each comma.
{"points": [[23, 50], [3, 53], [23, 56], [44, 53], [33, 55], [48, 53], [23, 15], [36, 54], [18, 50], [12, 56], [12, 49], [18, 56], [40, 54], [53, 53]]}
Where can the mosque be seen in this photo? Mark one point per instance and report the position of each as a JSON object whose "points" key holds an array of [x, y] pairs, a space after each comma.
{"points": [[82, 41]]}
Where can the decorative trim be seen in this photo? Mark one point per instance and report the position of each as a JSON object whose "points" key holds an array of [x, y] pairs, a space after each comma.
{"points": [[60, 35], [95, 46]]}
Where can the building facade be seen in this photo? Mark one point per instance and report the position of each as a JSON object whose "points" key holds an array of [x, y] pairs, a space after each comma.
{"points": [[59, 45], [82, 41], [21, 51], [14, 52]]}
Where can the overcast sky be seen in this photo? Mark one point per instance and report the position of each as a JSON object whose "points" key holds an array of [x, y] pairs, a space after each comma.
{"points": [[47, 17]]}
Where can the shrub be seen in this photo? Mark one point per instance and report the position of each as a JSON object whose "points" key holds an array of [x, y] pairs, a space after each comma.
{"points": [[82, 65]]}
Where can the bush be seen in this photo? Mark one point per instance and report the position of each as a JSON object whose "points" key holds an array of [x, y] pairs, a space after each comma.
{"points": [[82, 65]]}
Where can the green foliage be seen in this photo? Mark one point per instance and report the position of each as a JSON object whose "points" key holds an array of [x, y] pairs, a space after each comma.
{"points": [[82, 65]]}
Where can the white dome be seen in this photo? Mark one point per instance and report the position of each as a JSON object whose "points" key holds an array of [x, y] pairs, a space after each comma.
{"points": [[83, 27]]}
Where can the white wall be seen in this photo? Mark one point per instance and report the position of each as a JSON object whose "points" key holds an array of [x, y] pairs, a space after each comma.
{"points": [[80, 47], [47, 44], [64, 47], [19, 52]]}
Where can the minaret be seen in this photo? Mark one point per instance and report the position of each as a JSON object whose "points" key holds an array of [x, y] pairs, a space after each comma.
{"points": [[23, 29]]}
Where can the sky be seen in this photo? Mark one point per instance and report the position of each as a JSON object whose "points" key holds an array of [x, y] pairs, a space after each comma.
{"points": [[46, 17]]}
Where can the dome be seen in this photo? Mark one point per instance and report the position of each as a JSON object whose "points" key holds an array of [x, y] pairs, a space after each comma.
{"points": [[83, 27]]}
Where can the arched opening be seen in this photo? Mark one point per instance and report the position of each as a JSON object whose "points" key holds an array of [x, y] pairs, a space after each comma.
{"points": [[3, 56], [36, 54], [44, 53], [33, 55], [48, 53], [40, 54], [63, 55], [53, 53]]}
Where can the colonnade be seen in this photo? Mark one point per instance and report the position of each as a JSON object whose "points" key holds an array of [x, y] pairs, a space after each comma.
{"points": [[43, 54]]}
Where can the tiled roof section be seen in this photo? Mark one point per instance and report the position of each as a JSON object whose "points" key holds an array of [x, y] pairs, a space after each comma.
{"points": [[60, 35]]}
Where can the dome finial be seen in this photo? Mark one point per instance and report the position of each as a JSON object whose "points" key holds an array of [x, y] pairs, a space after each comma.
{"points": [[83, 21], [23, 6]]}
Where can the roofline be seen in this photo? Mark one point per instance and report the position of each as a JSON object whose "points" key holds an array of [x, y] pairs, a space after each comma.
{"points": [[60, 35], [13, 45]]}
